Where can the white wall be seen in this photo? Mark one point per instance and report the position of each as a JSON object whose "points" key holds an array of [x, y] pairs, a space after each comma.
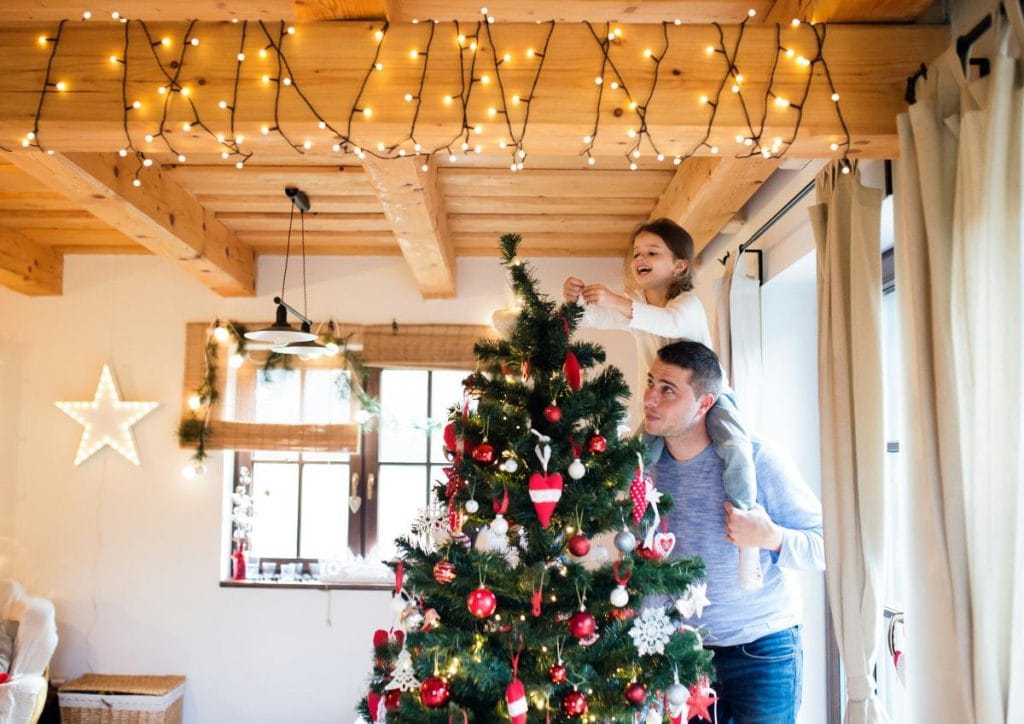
{"points": [[131, 556]]}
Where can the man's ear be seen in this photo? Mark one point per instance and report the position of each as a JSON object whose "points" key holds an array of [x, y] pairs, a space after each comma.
{"points": [[706, 402]]}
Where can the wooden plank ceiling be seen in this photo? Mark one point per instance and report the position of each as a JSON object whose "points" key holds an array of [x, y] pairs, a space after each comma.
{"points": [[72, 194]]}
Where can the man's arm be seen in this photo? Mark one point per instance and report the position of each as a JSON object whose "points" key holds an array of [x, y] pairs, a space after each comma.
{"points": [[790, 524]]}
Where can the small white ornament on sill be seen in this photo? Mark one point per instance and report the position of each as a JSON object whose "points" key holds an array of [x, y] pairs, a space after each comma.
{"points": [[107, 420]]}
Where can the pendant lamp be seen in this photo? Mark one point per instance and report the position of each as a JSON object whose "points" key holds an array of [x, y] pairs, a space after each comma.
{"points": [[281, 333]]}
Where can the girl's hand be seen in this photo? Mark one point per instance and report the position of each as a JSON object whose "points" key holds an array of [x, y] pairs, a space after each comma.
{"points": [[601, 296], [571, 289], [751, 528]]}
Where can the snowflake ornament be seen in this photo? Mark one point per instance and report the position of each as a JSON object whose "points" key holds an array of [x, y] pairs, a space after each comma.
{"points": [[431, 528], [404, 678], [651, 631]]}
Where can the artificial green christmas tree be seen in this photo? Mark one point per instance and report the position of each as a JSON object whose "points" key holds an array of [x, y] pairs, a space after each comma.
{"points": [[505, 612]]}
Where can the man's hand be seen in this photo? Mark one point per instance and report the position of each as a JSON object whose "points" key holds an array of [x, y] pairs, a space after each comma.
{"points": [[753, 527], [571, 289], [601, 296]]}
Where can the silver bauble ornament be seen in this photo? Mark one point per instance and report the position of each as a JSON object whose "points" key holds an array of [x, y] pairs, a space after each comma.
{"points": [[510, 465], [472, 506], [577, 469], [677, 696], [625, 541], [619, 597], [499, 526]]}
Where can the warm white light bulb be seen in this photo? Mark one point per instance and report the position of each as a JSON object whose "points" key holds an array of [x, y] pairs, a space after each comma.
{"points": [[591, 161]]}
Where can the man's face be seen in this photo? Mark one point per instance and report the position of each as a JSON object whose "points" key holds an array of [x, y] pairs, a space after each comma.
{"points": [[671, 407]]}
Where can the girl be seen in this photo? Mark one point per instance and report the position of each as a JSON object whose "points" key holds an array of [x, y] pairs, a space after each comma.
{"points": [[663, 309]]}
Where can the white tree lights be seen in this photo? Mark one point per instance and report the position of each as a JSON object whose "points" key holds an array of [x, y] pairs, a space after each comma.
{"points": [[107, 420]]}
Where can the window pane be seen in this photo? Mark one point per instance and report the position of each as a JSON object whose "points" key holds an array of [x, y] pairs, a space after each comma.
{"points": [[324, 510], [446, 392], [326, 397], [277, 394], [326, 457], [275, 455], [402, 491], [897, 507], [276, 504], [403, 401]]}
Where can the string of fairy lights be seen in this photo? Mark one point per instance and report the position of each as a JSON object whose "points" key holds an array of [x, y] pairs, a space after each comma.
{"points": [[472, 73]]}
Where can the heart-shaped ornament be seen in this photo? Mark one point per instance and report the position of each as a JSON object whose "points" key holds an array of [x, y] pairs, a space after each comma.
{"points": [[354, 501], [664, 543], [545, 492]]}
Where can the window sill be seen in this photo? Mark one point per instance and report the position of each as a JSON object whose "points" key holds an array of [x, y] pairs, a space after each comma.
{"points": [[311, 585]]}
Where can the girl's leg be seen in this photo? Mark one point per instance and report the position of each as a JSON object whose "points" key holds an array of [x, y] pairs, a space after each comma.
{"points": [[734, 447]]}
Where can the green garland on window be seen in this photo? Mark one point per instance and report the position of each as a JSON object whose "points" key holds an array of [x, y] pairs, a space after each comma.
{"points": [[195, 426]]}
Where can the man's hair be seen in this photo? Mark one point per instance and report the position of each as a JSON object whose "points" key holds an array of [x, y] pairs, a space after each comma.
{"points": [[705, 369]]}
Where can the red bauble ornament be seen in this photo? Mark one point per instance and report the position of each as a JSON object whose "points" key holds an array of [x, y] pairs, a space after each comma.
{"points": [[557, 674], [582, 624], [579, 545], [434, 692], [597, 444], [484, 453], [574, 704], [636, 694], [552, 413], [444, 572], [392, 699], [482, 602]]}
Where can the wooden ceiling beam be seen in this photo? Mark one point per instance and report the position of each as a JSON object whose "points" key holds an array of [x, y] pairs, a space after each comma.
{"points": [[159, 214], [414, 206], [29, 267], [574, 11], [846, 11], [707, 192], [869, 65], [519, 11]]}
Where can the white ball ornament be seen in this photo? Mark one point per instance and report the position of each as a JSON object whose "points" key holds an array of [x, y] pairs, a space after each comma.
{"points": [[510, 465], [619, 597], [677, 696], [499, 526], [625, 541], [472, 506], [577, 469]]}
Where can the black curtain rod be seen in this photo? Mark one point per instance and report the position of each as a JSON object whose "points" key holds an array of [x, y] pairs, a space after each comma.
{"points": [[964, 43]]}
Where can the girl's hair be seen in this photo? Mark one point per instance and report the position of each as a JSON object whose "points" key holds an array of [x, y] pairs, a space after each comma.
{"points": [[679, 242]]}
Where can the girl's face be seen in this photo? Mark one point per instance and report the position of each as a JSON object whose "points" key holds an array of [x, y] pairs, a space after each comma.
{"points": [[654, 266]]}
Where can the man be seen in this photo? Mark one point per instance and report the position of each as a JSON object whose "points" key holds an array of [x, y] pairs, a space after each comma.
{"points": [[755, 635]]}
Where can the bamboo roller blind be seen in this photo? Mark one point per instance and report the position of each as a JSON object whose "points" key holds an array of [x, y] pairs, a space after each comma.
{"points": [[433, 346]]}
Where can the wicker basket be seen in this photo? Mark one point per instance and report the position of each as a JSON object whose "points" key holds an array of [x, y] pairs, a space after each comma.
{"points": [[120, 699]]}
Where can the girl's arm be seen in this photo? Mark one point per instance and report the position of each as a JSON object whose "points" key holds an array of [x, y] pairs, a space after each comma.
{"points": [[683, 317]]}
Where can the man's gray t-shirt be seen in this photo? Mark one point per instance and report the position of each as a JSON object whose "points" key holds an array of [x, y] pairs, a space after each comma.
{"points": [[698, 521]]}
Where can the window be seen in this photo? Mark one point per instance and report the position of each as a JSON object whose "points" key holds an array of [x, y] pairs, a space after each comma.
{"points": [[891, 690], [342, 510], [303, 484]]}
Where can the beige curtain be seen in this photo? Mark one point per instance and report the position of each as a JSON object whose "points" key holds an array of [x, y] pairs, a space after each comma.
{"points": [[959, 275], [746, 353], [847, 227]]}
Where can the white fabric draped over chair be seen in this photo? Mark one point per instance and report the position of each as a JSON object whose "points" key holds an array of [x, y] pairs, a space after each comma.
{"points": [[21, 698], [959, 276]]}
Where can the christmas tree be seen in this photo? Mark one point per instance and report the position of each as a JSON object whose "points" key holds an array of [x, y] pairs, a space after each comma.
{"points": [[505, 611]]}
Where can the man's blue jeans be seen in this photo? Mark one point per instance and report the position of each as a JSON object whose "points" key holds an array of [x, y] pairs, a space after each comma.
{"points": [[759, 682]]}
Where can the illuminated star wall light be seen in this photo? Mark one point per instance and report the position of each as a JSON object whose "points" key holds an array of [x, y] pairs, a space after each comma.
{"points": [[107, 420]]}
